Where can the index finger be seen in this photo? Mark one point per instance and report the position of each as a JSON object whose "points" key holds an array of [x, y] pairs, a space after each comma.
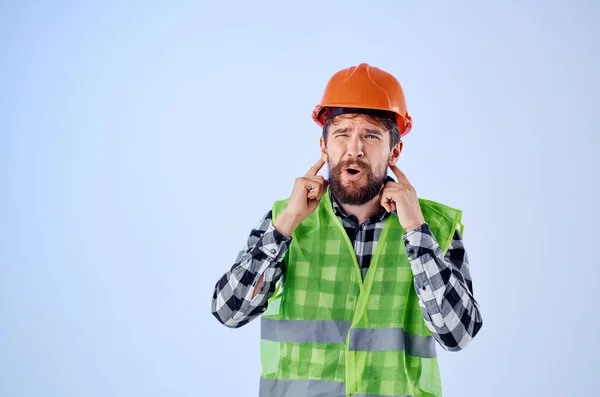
{"points": [[315, 168], [399, 174]]}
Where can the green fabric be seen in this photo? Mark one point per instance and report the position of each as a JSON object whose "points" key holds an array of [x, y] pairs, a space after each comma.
{"points": [[322, 281]]}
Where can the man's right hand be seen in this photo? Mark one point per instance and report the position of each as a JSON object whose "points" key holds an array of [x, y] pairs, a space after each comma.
{"points": [[306, 195]]}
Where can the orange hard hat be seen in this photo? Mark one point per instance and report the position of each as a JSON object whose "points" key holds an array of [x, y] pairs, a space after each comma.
{"points": [[364, 87]]}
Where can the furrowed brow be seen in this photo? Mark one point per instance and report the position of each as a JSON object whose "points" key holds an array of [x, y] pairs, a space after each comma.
{"points": [[340, 131]]}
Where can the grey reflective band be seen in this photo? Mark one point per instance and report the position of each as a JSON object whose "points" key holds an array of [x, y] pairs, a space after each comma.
{"points": [[315, 331], [307, 388], [377, 395], [419, 346], [301, 388], [380, 339], [361, 339]]}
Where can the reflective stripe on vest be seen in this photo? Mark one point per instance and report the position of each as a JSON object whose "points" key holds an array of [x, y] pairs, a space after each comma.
{"points": [[381, 339], [301, 388], [361, 339], [306, 388], [324, 331]]}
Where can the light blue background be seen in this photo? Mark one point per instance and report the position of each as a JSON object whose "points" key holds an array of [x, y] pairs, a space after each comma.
{"points": [[140, 142]]}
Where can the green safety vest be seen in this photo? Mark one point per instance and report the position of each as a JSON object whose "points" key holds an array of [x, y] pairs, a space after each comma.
{"points": [[328, 333]]}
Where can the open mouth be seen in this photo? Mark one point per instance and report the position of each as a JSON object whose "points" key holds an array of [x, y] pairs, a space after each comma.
{"points": [[354, 174]]}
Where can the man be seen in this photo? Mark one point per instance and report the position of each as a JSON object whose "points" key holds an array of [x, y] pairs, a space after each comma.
{"points": [[355, 277]]}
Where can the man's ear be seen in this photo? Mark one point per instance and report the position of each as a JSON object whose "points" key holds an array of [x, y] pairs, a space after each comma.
{"points": [[395, 153], [323, 149]]}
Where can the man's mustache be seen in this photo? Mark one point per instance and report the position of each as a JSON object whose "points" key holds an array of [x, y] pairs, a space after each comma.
{"points": [[350, 163]]}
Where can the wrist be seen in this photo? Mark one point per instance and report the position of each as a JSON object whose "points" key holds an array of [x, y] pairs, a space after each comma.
{"points": [[286, 223], [413, 226]]}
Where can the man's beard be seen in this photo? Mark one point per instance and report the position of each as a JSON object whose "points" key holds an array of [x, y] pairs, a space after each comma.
{"points": [[354, 192]]}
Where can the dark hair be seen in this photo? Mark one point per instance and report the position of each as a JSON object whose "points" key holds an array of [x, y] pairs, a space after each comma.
{"points": [[385, 123]]}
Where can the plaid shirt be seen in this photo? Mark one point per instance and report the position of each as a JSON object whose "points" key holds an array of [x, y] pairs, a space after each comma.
{"points": [[442, 282]]}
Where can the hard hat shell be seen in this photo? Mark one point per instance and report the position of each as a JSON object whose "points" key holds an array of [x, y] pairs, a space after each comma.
{"points": [[364, 87]]}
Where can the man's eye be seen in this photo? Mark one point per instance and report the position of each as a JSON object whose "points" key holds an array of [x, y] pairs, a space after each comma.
{"points": [[338, 135], [372, 136]]}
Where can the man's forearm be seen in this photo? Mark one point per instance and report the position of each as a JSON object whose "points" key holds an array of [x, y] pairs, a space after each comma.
{"points": [[241, 294]]}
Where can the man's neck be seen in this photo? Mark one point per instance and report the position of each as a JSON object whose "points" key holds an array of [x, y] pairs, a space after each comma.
{"points": [[365, 211]]}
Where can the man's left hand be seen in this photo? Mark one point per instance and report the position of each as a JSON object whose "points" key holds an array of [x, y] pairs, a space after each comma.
{"points": [[402, 197]]}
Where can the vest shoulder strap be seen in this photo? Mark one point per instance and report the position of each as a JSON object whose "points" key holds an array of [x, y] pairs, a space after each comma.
{"points": [[442, 220]]}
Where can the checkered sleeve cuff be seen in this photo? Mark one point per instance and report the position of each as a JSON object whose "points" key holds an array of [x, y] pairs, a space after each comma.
{"points": [[419, 242], [273, 243]]}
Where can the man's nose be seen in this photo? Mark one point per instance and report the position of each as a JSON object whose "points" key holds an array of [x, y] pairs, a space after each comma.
{"points": [[355, 147]]}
